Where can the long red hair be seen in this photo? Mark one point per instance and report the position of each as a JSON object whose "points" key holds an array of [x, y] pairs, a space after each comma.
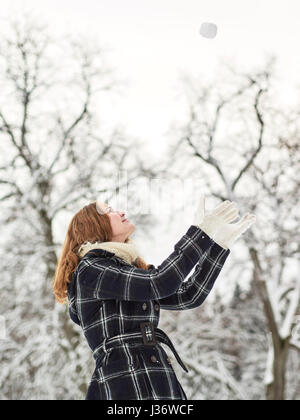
{"points": [[86, 225]]}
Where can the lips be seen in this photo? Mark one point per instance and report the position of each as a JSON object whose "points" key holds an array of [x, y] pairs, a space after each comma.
{"points": [[125, 220]]}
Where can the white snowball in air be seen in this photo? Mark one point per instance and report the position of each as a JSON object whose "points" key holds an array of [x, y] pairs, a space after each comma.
{"points": [[208, 29]]}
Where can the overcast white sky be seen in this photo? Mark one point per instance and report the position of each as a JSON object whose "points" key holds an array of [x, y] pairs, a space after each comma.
{"points": [[153, 41]]}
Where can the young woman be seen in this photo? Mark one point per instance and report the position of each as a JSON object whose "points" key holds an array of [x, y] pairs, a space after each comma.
{"points": [[116, 297]]}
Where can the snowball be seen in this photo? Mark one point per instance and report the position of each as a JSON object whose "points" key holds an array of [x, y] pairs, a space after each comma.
{"points": [[208, 30]]}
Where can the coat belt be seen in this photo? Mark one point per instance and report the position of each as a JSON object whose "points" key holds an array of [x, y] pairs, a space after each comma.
{"points": [[148, 335]]}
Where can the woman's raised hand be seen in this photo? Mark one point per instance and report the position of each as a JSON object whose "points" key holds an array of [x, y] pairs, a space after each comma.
{"points": [[229, 233], [210, 222]]}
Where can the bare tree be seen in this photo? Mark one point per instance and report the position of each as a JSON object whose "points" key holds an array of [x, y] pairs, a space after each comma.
{"points": [[247, 150], [280, 295], [53, 159]]}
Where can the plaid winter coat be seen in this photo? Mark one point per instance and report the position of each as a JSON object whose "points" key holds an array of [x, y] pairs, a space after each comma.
{"points": [[118, 307]]}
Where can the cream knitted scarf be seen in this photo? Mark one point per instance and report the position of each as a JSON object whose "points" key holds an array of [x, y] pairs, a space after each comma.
{"points": [[126, 250]]}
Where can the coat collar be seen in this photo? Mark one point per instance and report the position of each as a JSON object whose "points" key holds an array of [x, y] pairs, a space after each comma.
{"points": [[126, 250]]}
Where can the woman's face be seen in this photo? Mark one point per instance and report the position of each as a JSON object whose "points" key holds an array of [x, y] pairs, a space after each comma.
{"points": [[121, 226]]}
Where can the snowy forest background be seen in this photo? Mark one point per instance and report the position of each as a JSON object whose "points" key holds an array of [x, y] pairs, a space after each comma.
{"points": [[237, 140]]}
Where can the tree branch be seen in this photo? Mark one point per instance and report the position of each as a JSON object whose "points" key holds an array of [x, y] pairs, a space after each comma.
{"points": [[263, 292], [259, 147]]}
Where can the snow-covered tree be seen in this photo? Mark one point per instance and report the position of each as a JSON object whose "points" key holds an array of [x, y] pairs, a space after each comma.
{"points": [[244, 145], [54, 159]]}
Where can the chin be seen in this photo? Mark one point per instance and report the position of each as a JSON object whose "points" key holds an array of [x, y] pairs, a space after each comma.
{"points": [[132, 227]]}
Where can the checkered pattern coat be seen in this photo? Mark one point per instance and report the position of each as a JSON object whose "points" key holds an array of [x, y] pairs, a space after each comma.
{"points": [[109, 298]]}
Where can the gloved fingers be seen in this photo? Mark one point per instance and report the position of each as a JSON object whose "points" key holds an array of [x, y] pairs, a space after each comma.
{"points": [[231, 215], [247, 217], [221, 207], [233, 210], [225, 210], [245, 222]]}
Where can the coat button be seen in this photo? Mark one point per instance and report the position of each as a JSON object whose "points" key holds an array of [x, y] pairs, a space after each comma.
{"points": [[153, 358], [144, 306], [156, 307], [169, 360]]}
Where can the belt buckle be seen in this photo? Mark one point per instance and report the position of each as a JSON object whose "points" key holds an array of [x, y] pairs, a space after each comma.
{"points": [[147, 342]]}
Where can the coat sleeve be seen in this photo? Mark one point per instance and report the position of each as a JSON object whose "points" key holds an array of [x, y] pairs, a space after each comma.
{"points": [[195, 290], [105, 280]]}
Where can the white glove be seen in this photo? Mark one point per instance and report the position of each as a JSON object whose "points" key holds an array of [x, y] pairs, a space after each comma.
{"points": [[229, 233], [211, 222]]}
